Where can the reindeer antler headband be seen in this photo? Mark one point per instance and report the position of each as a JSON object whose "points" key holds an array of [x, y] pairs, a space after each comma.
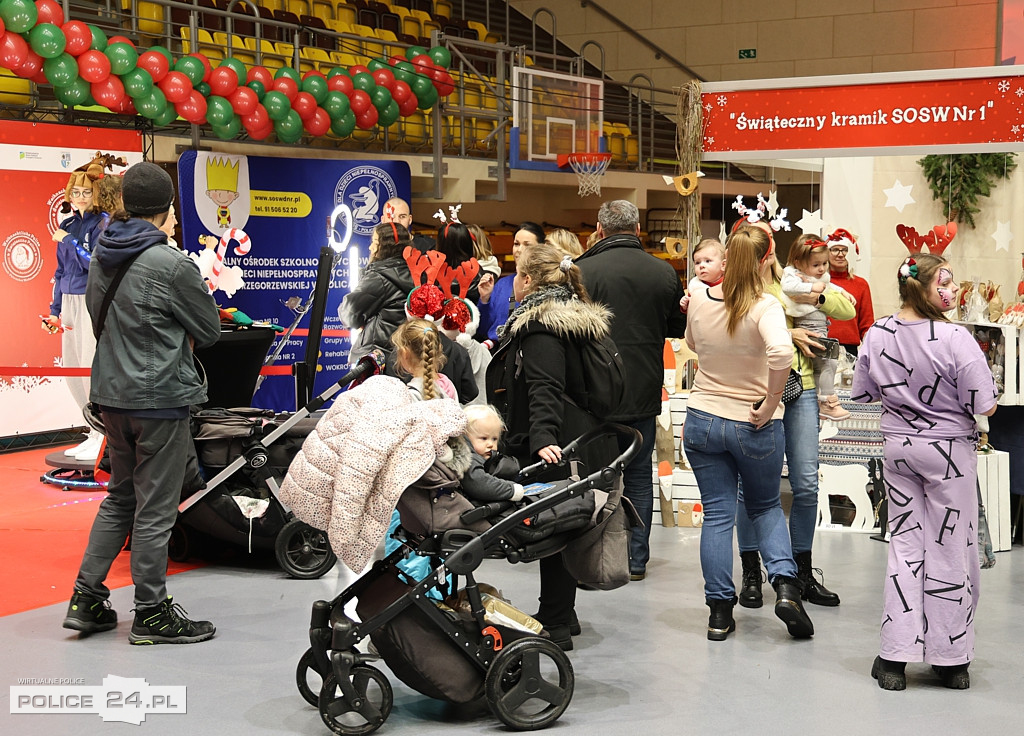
{"points": [[454, 211], [432, 299], [760, 213]]}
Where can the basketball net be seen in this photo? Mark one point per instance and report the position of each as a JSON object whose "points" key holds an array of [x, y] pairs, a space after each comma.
{"points": [[589, 168]]}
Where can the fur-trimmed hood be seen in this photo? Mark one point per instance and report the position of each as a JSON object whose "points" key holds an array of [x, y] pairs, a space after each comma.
{"points": [[572, 318]]}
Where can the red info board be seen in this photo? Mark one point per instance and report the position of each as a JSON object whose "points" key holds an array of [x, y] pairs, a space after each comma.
{"points": [[863, 115]]}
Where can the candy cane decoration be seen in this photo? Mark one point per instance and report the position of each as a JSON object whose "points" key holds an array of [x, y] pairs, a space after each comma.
{"points": [[243, 247]]}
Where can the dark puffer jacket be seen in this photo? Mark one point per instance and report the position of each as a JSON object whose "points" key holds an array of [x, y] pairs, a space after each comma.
{"points": [[377, 305], [643, 293], [536, 367]]}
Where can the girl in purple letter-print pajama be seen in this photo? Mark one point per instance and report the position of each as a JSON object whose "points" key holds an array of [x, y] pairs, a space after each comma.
{"points": [[931, 378]]}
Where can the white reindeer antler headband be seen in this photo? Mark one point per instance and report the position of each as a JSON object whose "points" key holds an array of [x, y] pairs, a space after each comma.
{"points": [[454, 210], [759, 213]]}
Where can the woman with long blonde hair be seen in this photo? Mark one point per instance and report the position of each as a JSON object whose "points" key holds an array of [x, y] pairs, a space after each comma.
{"points": [[733, 428]]}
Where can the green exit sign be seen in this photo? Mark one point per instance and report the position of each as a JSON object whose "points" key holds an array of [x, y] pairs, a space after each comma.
{"points": [[748, 53]]}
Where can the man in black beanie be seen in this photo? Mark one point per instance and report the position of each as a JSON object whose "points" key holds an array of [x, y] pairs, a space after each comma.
{"points": [[149, 306]]}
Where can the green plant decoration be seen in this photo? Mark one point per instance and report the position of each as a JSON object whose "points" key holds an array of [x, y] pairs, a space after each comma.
{"points": [[960, 179]]}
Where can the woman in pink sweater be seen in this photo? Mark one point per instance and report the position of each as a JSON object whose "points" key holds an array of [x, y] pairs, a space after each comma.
{"points": [[734, 430]]}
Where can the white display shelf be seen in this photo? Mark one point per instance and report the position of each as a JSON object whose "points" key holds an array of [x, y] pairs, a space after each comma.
{"points": [[1003, 351]]}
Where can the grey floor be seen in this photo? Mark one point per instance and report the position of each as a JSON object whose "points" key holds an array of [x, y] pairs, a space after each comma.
{"points": [[642, 664]]}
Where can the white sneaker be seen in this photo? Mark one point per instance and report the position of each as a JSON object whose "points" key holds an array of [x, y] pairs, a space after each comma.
{"points": [[72, 451], [91, 449]]}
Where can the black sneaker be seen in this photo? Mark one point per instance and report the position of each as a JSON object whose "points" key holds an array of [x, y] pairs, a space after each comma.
{"points": [[89, 614], [167, 624]]}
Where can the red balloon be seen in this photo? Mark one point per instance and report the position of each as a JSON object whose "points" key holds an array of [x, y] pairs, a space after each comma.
{"points": [[443, 83], [223, 81], [314, 73], [358, 69], [50, 12], [206, 63], [109, 92], [287, 87], [78, 35], [258, 134], [155, 63], [340, 83], [400, 92], [120, 39], [384, 78], [395, 59], [93, 66], [40, 78], [257, 119], [359, 101], [424, 62], [368, 119], [305, 105], [176, 87], [124, 106], [260, 74], [243, 100], [32, 65], [408, 107], [192, 109], [13, 50], [319, 123]]}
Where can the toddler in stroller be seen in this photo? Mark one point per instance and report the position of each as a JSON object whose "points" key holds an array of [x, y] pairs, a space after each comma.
{"points": [[457, 656]]}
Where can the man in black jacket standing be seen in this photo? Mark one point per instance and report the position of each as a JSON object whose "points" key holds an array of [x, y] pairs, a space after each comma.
{"points": [[643, 293]]}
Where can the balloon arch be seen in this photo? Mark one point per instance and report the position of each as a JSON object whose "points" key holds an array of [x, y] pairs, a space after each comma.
{"points": [[87, 68]]}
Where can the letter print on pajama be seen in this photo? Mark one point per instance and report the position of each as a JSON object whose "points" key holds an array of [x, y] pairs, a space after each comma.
{"points": [[931, 378]]}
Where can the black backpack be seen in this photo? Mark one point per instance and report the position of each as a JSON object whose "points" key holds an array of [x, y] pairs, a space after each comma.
{"points": [[604, 377]]}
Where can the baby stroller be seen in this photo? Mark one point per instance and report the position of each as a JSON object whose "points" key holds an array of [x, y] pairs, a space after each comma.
{"points": [[247, 452], [527, 680]]}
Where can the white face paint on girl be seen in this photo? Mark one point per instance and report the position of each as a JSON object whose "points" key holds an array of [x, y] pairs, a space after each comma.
{"points": [[944, 295]]}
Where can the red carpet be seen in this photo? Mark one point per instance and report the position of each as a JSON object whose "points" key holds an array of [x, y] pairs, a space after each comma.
{"points": [[43, 532]]}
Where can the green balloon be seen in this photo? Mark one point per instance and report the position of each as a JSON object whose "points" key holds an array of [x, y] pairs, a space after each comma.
{"points": [[389, 115], [237, 66], [404, 72], [380, 98], [166, 117], [230, 130], [442, 57], [19, 15], [61, 70], [257, 87], [413, 51], [203, 88], [277, 105], [428, 99], [99, 39], [151, 105], [166, 54], [420, 85], [192, 68], [316, 86], [75, 93], [123, 58], [218, 110], [286, 71], [47, 40], [344, 125], [376, 64], [338, 70], [364, 81], [289, 128], [137, 83], [336, 104]]}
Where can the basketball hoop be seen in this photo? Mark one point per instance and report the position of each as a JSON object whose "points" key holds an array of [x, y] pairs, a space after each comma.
{"points": [[589, 168]]}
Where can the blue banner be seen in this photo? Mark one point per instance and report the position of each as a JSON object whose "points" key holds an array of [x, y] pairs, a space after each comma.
{"points": [[255, 226]]}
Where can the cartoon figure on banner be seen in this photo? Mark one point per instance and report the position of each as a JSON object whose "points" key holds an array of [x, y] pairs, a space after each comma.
{"points": [[224, 201], [211, 260], [75, 238], [222, 183]]}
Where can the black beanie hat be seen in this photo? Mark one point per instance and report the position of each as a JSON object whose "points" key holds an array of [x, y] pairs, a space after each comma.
{"points": [[146, 190]]}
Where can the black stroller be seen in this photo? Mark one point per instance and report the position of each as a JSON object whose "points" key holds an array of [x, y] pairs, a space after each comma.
{"points": [[247, 452], [527, 680]]}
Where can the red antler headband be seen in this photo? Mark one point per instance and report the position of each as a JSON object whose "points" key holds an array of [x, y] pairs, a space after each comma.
{"points": [[435, 301], [394, 229]]}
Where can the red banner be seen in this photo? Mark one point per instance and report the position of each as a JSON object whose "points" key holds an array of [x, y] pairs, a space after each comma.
{"points": [[884, 114]]}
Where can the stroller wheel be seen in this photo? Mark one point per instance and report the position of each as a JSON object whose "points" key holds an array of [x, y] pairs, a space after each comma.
{"points": [[179, 546], [367, 712], [309, 680], [529, 684], [302, 551]]}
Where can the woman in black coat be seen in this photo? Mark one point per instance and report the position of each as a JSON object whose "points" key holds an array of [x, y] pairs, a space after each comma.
{"points": [[533, 371]]}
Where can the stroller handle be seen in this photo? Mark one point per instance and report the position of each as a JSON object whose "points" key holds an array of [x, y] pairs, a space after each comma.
{"points": [[602, 430]]}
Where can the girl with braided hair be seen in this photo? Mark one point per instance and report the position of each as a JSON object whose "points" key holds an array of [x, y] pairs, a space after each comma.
{"points": [[418, 353]]}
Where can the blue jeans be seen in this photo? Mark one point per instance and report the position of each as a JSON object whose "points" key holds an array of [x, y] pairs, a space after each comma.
{"points": [[638, 487], [721, 453], [801, 424]]}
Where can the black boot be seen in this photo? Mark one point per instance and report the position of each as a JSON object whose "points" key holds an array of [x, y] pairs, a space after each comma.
{"points": [[955, 677], [789, 609], [720, 622], [814, 592], [890, 675], [750, 590]]}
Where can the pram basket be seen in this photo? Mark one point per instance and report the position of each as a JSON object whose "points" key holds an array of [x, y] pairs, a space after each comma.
{"points": [[526, 679]]}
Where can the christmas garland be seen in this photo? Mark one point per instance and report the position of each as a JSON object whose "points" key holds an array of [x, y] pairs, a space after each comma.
{"points": [[960, 179]]}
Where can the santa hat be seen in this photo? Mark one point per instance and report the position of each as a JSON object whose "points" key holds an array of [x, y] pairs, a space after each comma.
{"points": [[433, 299], [843, 237]]}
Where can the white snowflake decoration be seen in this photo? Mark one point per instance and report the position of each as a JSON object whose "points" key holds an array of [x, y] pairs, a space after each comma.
{"points": [[722, 100], [1002, 236], [1015, 129], [1004, 86], [710, 140], [898, 196], [708, 107], [1020, 92]]}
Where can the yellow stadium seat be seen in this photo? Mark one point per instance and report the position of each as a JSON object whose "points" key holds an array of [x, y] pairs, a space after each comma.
{"points": [[243, 49], [213, 50], [323, 9], [342, 59], [286, 51], [392, 47], [299, 7], [443, 9], [314, 58], [271, 58], [14, 90], [151, 19], [480, 28], [369, 47], [185, 33], [345, 12]]}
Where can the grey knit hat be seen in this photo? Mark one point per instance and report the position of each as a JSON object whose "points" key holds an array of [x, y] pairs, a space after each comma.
{"points": [[147, 190]]}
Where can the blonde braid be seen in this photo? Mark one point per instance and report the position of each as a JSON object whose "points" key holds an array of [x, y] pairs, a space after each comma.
{"points": [[430, 349]]}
